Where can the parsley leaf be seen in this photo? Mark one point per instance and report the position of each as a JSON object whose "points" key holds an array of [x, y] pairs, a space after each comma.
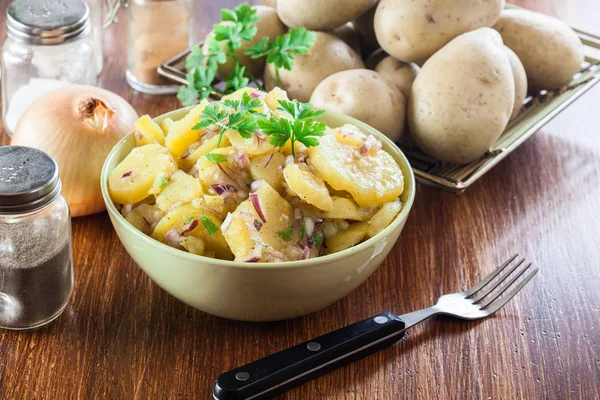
{"points": [[199, 86], [317, 239], [279, 130], [210, 227], [299, 110], [163, 183], [189, 219], [216, 158], [287, 234], [236, 79]]}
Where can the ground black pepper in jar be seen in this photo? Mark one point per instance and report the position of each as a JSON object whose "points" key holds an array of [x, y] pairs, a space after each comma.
{"points": [[36, 265]]}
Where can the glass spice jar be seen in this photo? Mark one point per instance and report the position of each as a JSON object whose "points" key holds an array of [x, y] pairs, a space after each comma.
{"points": [[49, 45], [36, 264], [158, 30]]}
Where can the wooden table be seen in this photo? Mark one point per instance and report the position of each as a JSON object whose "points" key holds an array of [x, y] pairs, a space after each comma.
{"points": [[122, 337]]}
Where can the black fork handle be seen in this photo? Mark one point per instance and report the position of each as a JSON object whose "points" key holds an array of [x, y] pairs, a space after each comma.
{"points": [[279, 372]]}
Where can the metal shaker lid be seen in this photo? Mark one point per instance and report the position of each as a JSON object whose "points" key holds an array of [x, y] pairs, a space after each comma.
{"points": [[47, 22], [28, 179]]}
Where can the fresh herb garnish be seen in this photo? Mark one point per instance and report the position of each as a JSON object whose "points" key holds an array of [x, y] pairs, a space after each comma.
{"points": [[287, 234], [238, 25], [210, 227], [163, 183], [303, 129], [188, 220], [317, 239], [302, 228], [281, 51], [216, 158], [238, 115]]}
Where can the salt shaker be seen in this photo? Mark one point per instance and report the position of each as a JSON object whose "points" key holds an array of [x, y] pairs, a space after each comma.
{"points": [[49, 45], [36, 264], [158, 30]]}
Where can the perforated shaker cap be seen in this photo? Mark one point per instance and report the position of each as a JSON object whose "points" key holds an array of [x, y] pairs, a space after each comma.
{"points": [[28, 179]]}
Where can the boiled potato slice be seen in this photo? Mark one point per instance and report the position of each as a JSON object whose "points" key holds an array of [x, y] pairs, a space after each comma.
{"points": [[254, 146], [273, 96], [245, 240], [183, 216], [165, 125], [210, 173], [147, 131], [266, 167], [308, 187], [138, 221], [193, 244], [181, 187], [370, 179], [181, 135], [204, 147], [348, 238], [131, 180], [342, 208], [383, 217]]}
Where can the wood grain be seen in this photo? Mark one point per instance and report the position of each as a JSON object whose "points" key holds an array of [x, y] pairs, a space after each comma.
{"points": [[122, 337]]}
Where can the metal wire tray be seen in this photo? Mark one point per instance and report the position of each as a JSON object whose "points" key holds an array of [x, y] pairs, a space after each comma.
{"points": [[537, 111]]}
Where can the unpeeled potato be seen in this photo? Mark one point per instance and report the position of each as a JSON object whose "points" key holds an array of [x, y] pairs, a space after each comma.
{"points": [[520, 78], [321, 15], [398, 73]]}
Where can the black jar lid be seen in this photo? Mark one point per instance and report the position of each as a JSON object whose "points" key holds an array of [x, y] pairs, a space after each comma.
{"points": [[28, 179], [47, 22]]}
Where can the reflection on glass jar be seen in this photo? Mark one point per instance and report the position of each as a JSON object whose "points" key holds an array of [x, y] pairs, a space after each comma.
{"points": [[158, 30]]}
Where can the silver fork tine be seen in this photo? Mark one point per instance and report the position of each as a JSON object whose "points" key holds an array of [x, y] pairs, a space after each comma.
{"points": [[488, 278], [502, 302], [487, 290], [505, 287]]}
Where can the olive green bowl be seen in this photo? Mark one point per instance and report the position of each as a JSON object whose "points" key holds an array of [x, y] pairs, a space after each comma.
{"points": [[259, 291]]}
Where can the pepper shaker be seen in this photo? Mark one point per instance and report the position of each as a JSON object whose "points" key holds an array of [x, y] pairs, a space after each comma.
{"points": [[36, 264]]}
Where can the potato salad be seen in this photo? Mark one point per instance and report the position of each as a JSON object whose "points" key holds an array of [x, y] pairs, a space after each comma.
{"points": [[256, 177]]}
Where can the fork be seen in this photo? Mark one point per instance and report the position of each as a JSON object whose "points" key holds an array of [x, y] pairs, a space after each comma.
{"points": [[274, 374]]}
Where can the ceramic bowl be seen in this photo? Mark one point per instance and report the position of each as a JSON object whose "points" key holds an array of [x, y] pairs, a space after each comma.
{"points": [[259, 291]]}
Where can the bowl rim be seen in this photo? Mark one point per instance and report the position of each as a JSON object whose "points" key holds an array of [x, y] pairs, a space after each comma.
{"points": [[410, 184]]}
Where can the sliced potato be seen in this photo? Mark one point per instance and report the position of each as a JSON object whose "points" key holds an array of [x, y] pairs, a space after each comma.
{"points": [[204, 147], [245, 240], [181, 187], [193, 244], [266, 167], [131, 180], [348, 238], [256, 145], [165, 125], [370, 179], [342, 208], [308, 186], [383, 217], [147, 131], [181, 135], [181, 217]]}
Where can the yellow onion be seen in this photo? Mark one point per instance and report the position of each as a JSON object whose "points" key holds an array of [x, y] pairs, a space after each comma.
{"points": [[78, 126]]}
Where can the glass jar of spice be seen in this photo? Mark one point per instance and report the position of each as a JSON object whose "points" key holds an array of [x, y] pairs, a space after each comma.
{"points": [[49, 45], [36, 266], [158, 30]]}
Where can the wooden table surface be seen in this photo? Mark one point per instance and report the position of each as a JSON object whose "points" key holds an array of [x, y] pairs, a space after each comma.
{"points": [[122, 337]]}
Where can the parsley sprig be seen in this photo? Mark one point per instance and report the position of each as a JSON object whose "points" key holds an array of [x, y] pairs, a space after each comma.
{"points": [[238, 115], [238, 26], [303, 128]]}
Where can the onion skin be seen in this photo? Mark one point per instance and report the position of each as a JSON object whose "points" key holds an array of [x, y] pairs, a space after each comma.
{"points": [[78, 126]]}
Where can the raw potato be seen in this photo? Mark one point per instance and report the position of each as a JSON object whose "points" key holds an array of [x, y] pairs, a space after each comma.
{"points": [[366, 96], [269, 25], [364, 26], [321, 15], [463, 98], [328, 56], [412, 31], [398, 73], [349, 35], [549, 49], [374, 181], [131, 180], [270, 3], [520, 81]]}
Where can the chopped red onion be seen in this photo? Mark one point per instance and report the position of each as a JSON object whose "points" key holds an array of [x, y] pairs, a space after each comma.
{"points": [[252, 260], [306, 253], [220, 189], [256, 203], [257, 225], [309, 226], [225, 172], [190, 227], [241, 160], [363, 149], [269, 160], [280, 168], [126, 174], [127, 209], [297, 218], [173, 238], [256, 184], [289, 160], [255, 95], [302, 159], [309, 242], [319, 222], [227, 222]]}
